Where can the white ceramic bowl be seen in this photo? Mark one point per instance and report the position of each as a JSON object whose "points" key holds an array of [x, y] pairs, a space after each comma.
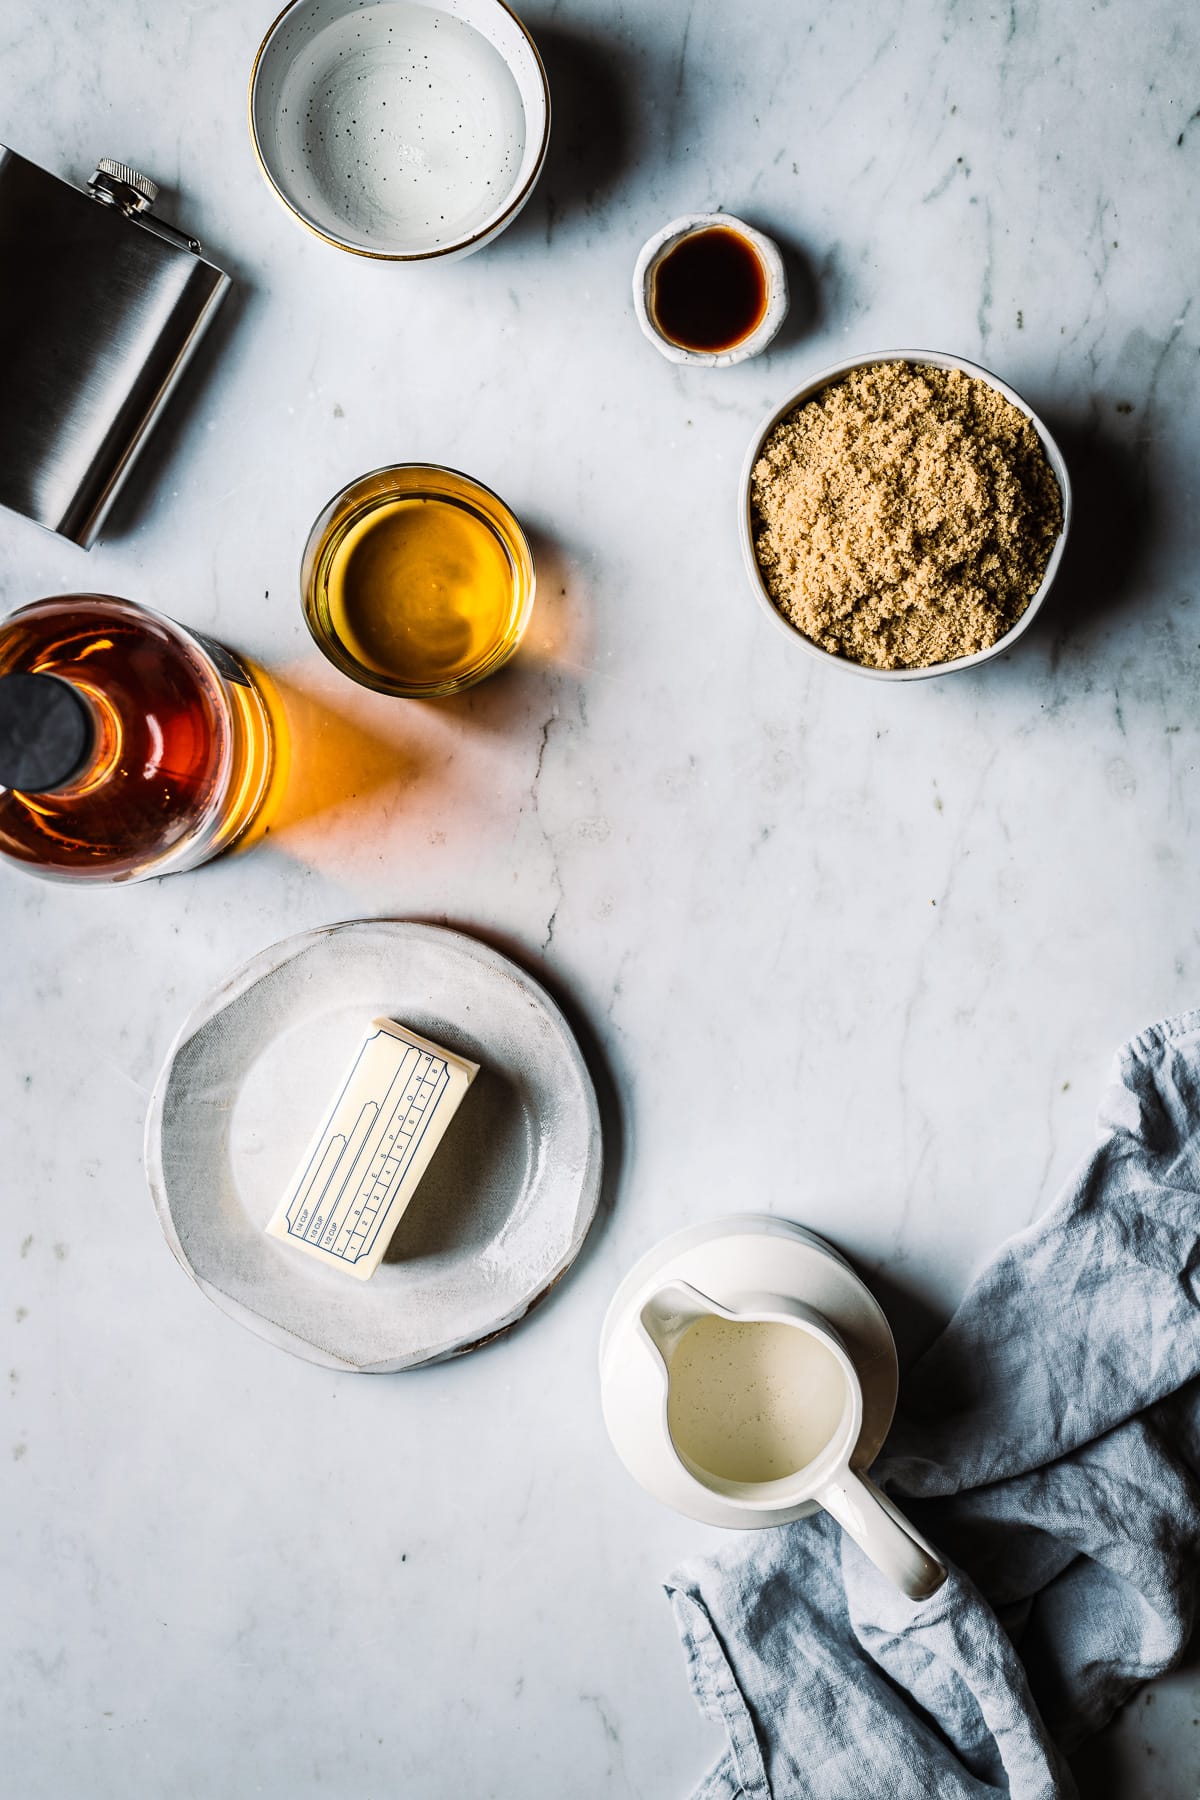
{"points": [[400, 129], [653, 252], [938, 360]]}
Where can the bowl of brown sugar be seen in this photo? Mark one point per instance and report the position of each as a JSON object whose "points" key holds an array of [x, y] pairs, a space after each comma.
{"points": [[904, 515]]}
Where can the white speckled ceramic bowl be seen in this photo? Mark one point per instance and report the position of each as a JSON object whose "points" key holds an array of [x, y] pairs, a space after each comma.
{"points": [[400, 129], [933, 359], [656, 248]]}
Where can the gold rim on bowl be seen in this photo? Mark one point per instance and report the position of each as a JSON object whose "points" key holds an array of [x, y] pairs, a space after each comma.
{"points": [[493, 228]]}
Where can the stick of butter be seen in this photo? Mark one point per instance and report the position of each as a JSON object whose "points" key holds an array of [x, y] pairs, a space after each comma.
{"points": [[362, 1168]]}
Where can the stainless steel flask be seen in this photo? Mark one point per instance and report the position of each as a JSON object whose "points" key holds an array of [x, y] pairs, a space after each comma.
{"points": [[101, 307]]}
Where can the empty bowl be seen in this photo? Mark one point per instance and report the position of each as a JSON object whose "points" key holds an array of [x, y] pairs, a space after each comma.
{"points": [[746, 524], [399, 129]]}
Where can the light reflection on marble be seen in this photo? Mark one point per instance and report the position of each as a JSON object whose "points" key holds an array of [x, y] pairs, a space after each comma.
{"points": [[855, 953]]}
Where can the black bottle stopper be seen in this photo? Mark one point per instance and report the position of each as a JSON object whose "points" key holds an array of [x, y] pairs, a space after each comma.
{"points": [[46, 733]]}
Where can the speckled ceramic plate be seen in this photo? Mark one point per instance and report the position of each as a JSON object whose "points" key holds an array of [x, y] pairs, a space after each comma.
{"points": [[499, 1216]]}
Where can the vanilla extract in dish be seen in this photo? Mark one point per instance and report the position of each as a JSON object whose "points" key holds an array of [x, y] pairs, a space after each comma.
{"points": [[709, 292]]}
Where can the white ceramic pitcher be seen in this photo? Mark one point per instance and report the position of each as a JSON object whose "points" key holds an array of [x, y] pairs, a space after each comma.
{"points": [[876, 1526]]}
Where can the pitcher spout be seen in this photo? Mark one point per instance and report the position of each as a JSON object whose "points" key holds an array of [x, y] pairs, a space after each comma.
{"points": [[671, 1311]]}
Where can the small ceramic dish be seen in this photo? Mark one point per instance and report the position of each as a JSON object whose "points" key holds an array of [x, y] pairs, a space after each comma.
{"points": [[656, 250], [933, 359], [400, 129]]}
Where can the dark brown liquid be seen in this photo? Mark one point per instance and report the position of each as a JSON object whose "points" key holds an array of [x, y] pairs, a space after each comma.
{"points": [[710, 291], [160, 740]]}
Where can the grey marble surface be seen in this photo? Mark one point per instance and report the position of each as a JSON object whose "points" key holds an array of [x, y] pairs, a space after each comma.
{"points": [[856, 954]]}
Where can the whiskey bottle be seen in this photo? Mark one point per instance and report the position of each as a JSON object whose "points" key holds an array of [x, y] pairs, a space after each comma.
{"points": [[129, 746]]}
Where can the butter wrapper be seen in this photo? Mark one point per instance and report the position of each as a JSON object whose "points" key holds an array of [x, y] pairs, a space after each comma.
{"points": [[356, 1178]]}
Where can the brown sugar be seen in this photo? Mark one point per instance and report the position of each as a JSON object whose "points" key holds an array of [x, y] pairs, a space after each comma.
{"points": [[904, 516]]}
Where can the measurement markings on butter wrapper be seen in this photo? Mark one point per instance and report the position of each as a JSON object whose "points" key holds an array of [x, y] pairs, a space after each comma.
{"points": [[342, 1203]]}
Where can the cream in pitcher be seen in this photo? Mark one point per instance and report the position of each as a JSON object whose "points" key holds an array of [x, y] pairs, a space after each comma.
{"points": [[762, 1407], [752, 1400]]}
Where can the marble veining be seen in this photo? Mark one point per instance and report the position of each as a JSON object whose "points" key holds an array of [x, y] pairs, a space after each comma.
{"points": [[855, 953]]}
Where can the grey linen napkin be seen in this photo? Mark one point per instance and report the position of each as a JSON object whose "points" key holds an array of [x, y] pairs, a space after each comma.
{"points": [[1049, 1445]]}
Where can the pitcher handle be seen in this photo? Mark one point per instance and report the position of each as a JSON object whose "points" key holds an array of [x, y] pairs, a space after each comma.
{"points": [[883, 1533]]}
